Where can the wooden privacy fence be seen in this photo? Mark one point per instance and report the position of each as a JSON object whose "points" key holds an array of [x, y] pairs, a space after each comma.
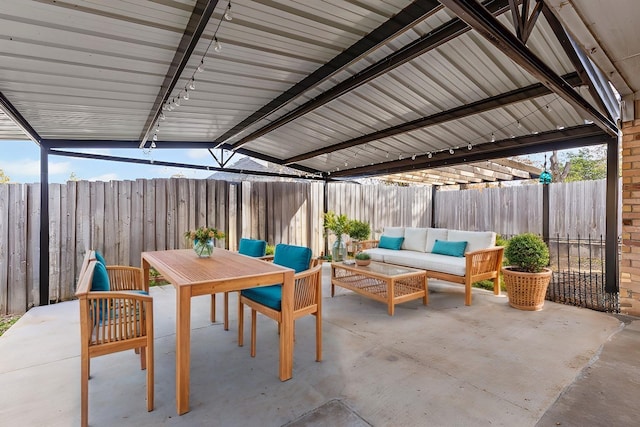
{"points": [[123, 218]]}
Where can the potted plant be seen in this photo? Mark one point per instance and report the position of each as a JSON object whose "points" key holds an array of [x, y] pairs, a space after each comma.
{"points": [[527, 276], [338, 225], [202, 239], [363, 259], [358, 231]]}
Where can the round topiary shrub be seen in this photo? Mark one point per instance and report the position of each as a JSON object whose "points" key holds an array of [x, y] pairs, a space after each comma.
{"points": [[527, 252]]}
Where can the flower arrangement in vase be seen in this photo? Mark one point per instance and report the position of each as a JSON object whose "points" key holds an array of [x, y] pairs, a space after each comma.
{"points": [[202, 239]]}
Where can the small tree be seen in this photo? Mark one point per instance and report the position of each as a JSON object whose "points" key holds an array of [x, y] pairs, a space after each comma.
{"points": [[3, 178]]}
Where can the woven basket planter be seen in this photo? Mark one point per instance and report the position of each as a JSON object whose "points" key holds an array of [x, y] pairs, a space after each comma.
{"points": [[526, 291]]}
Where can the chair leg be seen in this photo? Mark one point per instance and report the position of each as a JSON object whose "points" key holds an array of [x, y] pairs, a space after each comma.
{"points": [[84, 390], [240, 323], [143, 358], [253, 333], [150, 372], [213, 308], [318, 337], [226, 311]]}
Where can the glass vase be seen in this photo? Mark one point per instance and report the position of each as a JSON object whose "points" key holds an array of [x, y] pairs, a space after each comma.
{"points": [[203, 248], [338, 250]]}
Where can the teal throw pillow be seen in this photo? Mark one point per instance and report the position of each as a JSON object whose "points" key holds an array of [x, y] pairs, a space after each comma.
{"points": [[387, 242], [100, 258], [100, 278], [444, 247], [251, 247], [294, 257]]}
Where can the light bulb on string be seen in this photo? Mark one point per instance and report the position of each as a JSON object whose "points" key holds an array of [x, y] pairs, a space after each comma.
{"points": [[162, 116], [519, 125], [228, 15], [201, 66], [400, 157], [176, 102], [186, 95], [413, 157], [429, 155], [192, 84], [493, 137], [469, 147], [451, 151], [155, 138], [217, 46]]}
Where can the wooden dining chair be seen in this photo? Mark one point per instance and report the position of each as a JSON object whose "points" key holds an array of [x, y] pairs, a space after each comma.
{"points": [[112, 320], [267, 299], [249, 247]]}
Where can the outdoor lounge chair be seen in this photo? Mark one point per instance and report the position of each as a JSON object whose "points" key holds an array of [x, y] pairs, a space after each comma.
{"points": [[250, 247], [113, 320], [267, 299]]}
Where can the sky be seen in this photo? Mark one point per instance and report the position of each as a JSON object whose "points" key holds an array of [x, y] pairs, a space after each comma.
{"points": [[20, 160]]}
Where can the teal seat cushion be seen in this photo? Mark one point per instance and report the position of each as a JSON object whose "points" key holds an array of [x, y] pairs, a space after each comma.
{"points": [[251, 247], [387, 242], [270, 296], [100, 280], [100, 258], [297, 258], [444, 247]]}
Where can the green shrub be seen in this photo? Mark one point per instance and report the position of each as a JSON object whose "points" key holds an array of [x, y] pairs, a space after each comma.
{"points": [[359, 230], [527, 252], [271, 250], [363, 256]]}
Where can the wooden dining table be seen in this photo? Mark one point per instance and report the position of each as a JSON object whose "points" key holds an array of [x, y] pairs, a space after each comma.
{"points": [[223, 271]]}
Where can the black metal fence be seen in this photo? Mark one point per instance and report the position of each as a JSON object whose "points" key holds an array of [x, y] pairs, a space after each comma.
{"points": [[578, 266]]}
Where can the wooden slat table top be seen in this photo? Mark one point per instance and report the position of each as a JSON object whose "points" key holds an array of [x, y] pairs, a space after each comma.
{"points": [[183, 268]]}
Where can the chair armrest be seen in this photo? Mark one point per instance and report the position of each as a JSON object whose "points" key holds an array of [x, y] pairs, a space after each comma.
{"points": [[484, 260], [369, 244]]}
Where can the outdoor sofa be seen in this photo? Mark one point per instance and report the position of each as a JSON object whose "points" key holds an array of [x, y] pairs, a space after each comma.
{"points": [[457, 256]]}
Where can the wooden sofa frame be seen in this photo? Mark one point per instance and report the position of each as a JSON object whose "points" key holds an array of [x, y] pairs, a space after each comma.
{"points": [[483, 264]]}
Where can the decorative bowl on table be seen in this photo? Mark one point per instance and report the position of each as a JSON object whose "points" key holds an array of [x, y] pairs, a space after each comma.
{"points": [[363, 259]]}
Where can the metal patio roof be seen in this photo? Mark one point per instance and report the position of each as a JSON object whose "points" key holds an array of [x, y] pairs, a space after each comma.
{"points": [[333, 88]]}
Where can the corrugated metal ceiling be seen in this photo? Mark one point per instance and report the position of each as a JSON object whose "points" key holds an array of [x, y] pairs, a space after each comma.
{"points": [[92, 70]]}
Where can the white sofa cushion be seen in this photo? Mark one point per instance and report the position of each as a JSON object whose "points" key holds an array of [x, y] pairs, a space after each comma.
{"points": [[393, 231], [434, 234], [435, 262], [476, 240], [377, 254], [415, 239]]}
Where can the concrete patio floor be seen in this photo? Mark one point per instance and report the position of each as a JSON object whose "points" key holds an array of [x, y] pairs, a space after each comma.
{"points": [[440, 365]]}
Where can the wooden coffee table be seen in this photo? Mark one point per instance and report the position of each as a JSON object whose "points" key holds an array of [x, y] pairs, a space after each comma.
{"points": [[387, 283]]}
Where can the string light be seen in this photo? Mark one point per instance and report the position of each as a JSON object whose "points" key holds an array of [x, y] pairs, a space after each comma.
{"points": [[227, 15], [174, 102], [517, 123]]}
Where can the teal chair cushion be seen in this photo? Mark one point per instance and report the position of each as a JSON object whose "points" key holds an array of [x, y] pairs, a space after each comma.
{"points": [[294, 257], [443, 247], [270, 296], [251, 247], [100, 280], [100, 258]]}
